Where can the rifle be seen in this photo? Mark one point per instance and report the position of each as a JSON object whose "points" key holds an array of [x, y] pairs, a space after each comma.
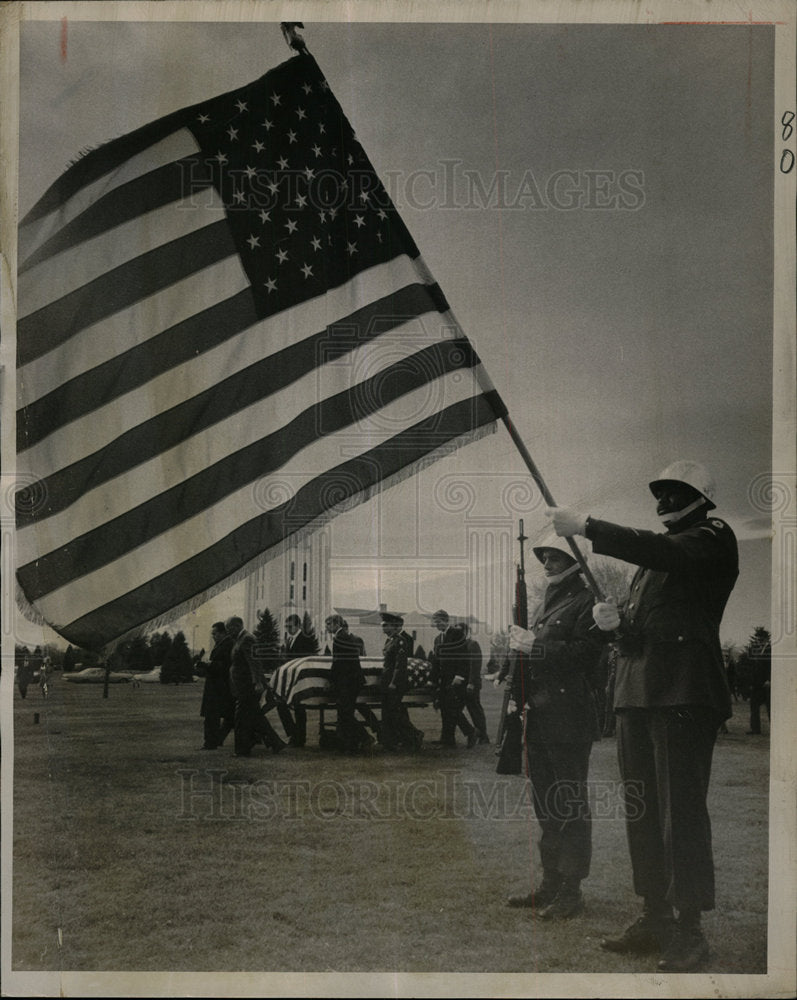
{"points": [[521, 617]]}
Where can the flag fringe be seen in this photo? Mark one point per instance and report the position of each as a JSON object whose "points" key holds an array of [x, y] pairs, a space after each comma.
{"points": [[187, 607], [29, 612]]}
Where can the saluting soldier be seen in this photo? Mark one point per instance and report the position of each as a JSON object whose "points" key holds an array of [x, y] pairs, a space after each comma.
{"points": [[670, 696]]}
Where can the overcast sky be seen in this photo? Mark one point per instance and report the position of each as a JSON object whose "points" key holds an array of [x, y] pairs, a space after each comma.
{"points": [[596, 202]]}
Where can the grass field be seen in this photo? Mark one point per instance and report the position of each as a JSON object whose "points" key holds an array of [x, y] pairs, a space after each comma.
{"points": [[133, 850]]}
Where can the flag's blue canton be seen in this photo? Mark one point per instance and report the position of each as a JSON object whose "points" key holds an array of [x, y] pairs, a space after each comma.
{"points": [[305, 206], [419, 673]]}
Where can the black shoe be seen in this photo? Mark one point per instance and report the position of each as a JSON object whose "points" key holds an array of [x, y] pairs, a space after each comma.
{"points": [[247, 754], [536, 900], [647, 934], [484, 738], [278, 745], [687, 950], [473, 739], [568, 903]]}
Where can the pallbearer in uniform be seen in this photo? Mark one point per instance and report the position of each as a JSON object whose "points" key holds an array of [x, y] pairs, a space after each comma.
{"points": [[397, 731]]}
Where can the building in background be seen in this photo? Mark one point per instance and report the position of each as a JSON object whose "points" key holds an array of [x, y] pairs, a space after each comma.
{"points": [[295, 582]]}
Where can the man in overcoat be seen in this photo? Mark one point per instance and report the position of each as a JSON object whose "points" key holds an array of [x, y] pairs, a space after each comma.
{"points": [[247, 683], [218, 704], [347, 678], [451, 670]]}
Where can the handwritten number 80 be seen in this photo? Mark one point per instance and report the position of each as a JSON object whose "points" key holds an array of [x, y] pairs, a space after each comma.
{"points": [[787, 128]]}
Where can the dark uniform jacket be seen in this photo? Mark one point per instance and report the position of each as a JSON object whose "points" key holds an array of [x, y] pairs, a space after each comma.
{"points": [[409, 642], [557, 674], [394, 669], [668, 640]]}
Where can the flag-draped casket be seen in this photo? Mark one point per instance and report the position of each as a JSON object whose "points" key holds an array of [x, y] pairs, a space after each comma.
{"points": [[306, 681]]}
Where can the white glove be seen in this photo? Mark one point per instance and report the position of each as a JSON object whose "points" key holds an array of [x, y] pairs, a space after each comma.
{"points": [[606, 616], [567, 522], [496, 682], [520, 639]]}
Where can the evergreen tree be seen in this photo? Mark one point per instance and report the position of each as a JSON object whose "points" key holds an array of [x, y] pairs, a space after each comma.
{"points": [[139, 657], [753, 662], [309, 631], [267, 641], [159, 645], [177, 666], [759, 645]]}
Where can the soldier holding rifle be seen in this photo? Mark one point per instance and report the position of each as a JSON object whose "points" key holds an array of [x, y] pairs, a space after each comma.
{"points": [[559, 652]]}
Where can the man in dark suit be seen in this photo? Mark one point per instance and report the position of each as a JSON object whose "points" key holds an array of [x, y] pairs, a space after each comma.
{"points": [[297, 644], [473, 701], [347, 680], [671, 694], [218, 704], [561, 650], [451, 670], [247, 683]]}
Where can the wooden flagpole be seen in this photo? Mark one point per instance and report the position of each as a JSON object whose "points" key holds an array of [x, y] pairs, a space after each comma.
{"points": [[548, 497]]}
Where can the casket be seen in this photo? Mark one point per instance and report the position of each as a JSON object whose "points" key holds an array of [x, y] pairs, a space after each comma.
{"points": [[306, 682]]}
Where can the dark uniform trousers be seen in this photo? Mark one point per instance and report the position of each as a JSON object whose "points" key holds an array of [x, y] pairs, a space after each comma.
{"points": [[671, 694], [558, 774], [669, 750]]}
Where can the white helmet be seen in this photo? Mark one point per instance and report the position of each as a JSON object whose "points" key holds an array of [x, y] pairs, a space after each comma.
{"points": [[560, 545], [690, 474]]}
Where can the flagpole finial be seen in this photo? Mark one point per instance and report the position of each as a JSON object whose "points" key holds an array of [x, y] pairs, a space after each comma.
{"points": [[290, 35]]}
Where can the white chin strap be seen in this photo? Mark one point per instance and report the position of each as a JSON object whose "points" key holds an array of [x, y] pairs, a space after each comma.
{"points": [[673, 516], [563, 575]]}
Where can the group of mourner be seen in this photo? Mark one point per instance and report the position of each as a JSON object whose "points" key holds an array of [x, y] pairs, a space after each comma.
{"points": [[239, 695], [670, 698]]}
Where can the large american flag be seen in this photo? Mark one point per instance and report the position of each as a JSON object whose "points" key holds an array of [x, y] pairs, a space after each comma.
{"points": [[226, 335]]}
